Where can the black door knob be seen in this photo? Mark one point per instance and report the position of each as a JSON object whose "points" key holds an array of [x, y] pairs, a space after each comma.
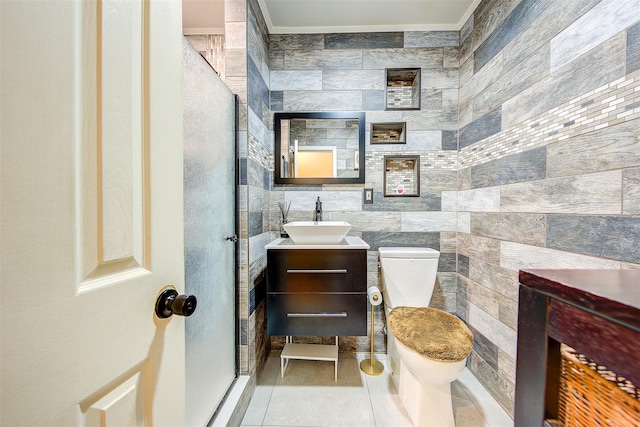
{"points": [[169, 302]]}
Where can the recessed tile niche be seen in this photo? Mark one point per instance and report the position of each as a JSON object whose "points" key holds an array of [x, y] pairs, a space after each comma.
{"points": [[388, 133], [401, 176], [403, 89]]}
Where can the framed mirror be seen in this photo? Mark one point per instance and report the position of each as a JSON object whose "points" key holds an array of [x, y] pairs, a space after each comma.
{"points": [[319, 148]]}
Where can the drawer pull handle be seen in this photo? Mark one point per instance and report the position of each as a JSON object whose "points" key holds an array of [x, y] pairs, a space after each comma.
{"points": [[343, 271], [343, 314]]}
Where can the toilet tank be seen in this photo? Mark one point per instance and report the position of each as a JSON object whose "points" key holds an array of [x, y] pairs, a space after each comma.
{"points": [[408, 275]]}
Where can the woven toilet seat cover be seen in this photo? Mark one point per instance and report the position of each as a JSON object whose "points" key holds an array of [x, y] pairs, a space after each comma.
{"points": [[431, 332]]}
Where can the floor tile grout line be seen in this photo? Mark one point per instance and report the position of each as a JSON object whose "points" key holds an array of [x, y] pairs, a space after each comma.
{"points": [[272, 388], [366, 380]]}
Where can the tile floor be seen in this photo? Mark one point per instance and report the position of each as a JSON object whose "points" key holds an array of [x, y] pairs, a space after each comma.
{"points": [[308, 396]]}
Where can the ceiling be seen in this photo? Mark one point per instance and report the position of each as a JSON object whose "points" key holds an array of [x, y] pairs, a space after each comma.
{"points": [[336, 16]]}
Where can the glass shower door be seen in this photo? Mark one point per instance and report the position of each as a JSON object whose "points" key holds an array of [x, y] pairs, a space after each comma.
{"points": [[209, 220]]}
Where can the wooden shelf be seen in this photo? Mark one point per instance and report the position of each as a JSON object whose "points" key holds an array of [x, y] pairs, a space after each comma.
{"points": [[388, 133], [402, 89]]}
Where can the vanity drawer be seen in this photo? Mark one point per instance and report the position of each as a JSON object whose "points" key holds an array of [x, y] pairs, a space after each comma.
{"points": [[323, 270], [317, 314]]}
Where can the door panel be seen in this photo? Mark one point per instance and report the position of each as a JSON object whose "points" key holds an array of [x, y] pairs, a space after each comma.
{"points": [[114, 147], [91, 213]]}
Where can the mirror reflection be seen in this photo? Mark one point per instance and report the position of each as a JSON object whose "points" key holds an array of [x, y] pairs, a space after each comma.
{"points": [[319, 148]]}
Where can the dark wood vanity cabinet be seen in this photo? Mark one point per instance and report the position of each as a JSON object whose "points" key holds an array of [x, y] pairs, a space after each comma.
{"points": [[317, 292]]}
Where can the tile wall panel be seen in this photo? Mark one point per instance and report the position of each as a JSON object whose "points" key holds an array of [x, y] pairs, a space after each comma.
{"points": [[484, 298], [373, 100], [382, 239], [609, 104], [516, 256], [568, 135], [528, 166], [606, 149], [449, 140], [236, 59], [502, 280], [595, 193], [522, 16], [281, 42], [489, 326], [479, 200], [602, 22], [464, 222], [633, 48], [448, 243], [487, 350], [506, 365], [440, 78], [487, 16], [322, 101], [428, 221], [631, 191], [403, 58], [463, 265], [353, 80], [428, 201], [611, 237], [364, 40], [522, 228], [431, 39], [485, 126], [296, 80], [420, 140], [256, 114], [600, 66], [513, 79], [481, 248], [437, 180], [500, 387]]}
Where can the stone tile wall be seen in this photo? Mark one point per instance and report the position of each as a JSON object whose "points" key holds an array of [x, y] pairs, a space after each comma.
{"points": [[211, 47], [236, 80], [547, 173], [257, 180], [549, 155], [346, 72]]}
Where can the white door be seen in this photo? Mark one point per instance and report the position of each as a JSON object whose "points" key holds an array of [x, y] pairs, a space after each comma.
{"points": [[91, 212], [209, 218]]}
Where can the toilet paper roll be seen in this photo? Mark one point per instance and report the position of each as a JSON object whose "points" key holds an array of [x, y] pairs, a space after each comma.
{"points": [[375, 296]]}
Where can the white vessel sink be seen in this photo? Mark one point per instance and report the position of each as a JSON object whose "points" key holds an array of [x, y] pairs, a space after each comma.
{"points": [[317, 233]]}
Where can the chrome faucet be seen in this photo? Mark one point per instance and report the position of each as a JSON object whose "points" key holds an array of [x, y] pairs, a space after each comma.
{"points": [[317, 215]]}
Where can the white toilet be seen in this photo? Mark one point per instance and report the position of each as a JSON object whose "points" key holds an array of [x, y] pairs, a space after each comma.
{"points": [[427, 347]]}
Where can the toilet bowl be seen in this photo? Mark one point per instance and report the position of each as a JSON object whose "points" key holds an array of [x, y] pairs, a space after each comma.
{"points": [[427, 347]]}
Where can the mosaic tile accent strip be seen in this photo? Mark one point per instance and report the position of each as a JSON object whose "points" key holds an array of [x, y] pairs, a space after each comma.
{"points": [[429, 160], [399, 96], [608, 105], [260, 154]]}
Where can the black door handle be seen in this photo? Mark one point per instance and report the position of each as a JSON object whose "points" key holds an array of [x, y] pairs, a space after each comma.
{"points": [[169, 302]]}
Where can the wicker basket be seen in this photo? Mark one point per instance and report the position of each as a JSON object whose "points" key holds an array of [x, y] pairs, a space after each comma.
{"points": [[591, 395]]}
